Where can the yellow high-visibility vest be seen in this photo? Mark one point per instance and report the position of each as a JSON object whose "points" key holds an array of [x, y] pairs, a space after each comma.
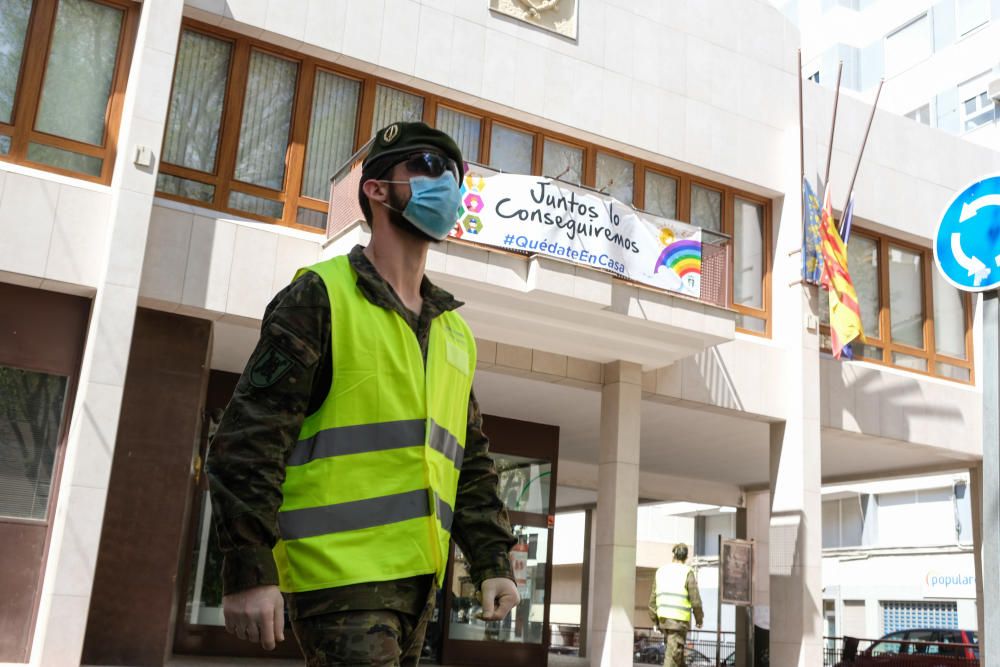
{"points": [[369, 490], [672, 601]]}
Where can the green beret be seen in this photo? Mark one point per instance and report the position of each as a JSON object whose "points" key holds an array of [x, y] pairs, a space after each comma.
{"points": [[400, 139]]}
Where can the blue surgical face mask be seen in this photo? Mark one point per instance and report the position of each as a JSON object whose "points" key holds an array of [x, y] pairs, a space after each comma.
{"points": [[433, 205]]}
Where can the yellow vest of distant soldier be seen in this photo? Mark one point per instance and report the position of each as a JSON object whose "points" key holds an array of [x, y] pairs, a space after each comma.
{"points": [[369, 490], [672, 601]]}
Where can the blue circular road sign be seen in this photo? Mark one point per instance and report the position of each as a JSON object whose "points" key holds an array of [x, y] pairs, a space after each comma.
{"points": [[967, 243]]}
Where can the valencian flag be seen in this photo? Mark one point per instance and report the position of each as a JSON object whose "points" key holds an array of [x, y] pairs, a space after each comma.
{"points": [[812, 255], [845, 316]]}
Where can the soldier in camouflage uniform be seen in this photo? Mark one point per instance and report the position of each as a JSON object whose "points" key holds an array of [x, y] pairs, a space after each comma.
{"points": [[287, 378], [686, 595]]}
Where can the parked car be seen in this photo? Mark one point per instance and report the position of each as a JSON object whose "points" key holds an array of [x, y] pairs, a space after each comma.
{"points": [[930, 647]]}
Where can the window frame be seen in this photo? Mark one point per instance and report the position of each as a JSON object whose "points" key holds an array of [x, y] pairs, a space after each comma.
{"points": [[972, 28], [979, 83], [885, 342], [291, 196], [31, 81], [899, 30], [916, 114], [438, 103]]}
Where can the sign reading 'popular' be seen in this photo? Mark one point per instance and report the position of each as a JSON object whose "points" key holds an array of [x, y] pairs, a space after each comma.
{"points": [[546, 217]]}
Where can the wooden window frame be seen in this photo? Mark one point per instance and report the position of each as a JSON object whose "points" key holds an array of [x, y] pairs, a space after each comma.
{"points": [[295, 158], [727, 228], [885, 343], [568, 144], [31, 81]]}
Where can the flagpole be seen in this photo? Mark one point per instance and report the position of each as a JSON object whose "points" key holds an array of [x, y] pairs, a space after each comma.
{"points": [[864, 142], [833, 124], [802, 169], [802, 143]]}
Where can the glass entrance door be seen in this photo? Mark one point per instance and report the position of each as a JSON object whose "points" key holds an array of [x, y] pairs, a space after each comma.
{"points": [[525, 455], [200, 625]]}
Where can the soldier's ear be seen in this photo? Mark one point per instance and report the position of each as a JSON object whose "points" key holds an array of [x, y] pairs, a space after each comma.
{"points": [[375, 189]]}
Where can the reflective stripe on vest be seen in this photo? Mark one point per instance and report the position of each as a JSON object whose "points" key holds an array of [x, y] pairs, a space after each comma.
{"points": [[672, 600], [361, 438], [370, 486]]}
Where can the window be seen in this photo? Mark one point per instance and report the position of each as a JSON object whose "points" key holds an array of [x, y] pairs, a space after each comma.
{"points": [[511, 150], [908, 46], [904, 306], [661, 195], [332, 128], [950, 329], [748, 259], [906, 302], [921, 114], [393, 105], [975, 106], [195, 118], [722, 213], [266, 123], [843, 523], [615, 177], [706, 208], [257, 130], [239, 142], [63, 65], [562, 162], [970, 14], [463, 128], [31, 409], [899, 616]]}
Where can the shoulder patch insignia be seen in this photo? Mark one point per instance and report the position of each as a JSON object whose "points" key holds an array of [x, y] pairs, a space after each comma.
{"points": [[270, 368]]}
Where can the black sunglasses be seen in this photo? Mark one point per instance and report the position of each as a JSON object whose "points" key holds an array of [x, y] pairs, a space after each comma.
{"points": [[427, 163]]}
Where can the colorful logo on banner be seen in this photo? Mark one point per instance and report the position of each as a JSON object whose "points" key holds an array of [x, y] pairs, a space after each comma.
{"points": [[682, 257], [540, 216]]}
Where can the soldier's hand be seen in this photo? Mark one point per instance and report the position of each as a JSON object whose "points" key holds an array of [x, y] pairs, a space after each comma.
{"points": [[256, 614], [499, 596]]}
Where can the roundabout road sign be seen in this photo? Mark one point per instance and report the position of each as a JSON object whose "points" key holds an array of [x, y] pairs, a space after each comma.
{"points": [[967, 243]]}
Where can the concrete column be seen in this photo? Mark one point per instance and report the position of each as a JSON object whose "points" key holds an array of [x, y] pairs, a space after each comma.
{"points": [[744, 622], [617, 507], [795, 549], [588, 575], [758, 520], [796, 604], [76, 529], [795, 540]]}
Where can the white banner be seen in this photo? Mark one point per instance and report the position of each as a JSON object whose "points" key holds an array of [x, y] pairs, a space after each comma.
{"points": [[538, 215]]}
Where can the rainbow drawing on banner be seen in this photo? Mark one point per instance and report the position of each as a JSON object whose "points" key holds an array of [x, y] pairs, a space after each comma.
{"points": [[682, 257]]}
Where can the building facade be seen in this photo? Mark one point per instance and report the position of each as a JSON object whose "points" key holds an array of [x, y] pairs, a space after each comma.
{"points": [[165, 170], [938, 59]]}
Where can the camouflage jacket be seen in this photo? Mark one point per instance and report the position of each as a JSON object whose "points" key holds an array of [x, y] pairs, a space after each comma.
{"points": [[287, 377], [694, 595]]}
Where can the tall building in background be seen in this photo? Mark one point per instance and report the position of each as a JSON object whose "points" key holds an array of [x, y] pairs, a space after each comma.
{"points": [[940, 59]]}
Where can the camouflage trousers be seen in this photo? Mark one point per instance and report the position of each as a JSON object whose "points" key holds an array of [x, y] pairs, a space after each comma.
{"points": [[674, 655], [377, 638]]}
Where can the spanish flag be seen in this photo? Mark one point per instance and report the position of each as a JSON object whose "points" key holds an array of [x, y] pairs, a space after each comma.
{"points": [[845, 316]]}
